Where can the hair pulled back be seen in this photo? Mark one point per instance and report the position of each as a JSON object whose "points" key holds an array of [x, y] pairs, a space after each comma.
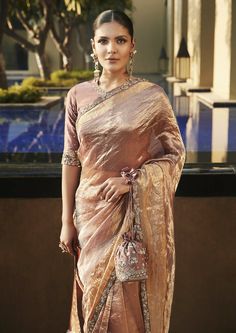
{"points": [[114, 15]]}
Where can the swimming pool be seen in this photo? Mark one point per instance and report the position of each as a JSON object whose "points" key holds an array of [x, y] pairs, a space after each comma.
{"points": [[31, 137]]}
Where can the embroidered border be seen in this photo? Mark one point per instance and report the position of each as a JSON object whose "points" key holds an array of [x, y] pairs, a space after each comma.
{"points": [[137, 224], [92, 321], [144, 303], [139, 233], [109, 94], [69, 157]]}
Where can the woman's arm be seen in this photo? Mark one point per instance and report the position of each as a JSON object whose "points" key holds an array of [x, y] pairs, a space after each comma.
{"points": [[71, 169], [70, 181]]}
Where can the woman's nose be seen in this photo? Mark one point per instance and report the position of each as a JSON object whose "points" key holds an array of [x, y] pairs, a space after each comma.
{"points": [[111, 48]]}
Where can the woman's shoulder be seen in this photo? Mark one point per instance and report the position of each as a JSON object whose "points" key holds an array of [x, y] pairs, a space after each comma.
{"points": [[150, 85], [80, 88]]}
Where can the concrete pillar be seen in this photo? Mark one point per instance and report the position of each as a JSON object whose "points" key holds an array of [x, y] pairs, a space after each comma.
{"points": [[225, 49], [201, 14], [170, 35], [207, 43], [180, 25], [233, 53], [184, 19], [148, 25], [220, 119], [194, 40], [177, 28]]}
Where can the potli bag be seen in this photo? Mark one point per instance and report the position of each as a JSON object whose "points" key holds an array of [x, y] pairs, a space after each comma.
{"points": [[131, 255]]}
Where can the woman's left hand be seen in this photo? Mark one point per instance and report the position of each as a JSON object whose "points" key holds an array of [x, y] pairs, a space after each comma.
{"points": [[112, 188]]}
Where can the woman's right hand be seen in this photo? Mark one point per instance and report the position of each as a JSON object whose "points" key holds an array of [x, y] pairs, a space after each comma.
{"points": [[69, 238]]}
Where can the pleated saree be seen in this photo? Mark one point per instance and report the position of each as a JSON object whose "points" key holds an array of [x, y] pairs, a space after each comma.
{"points": [[130, 126]]}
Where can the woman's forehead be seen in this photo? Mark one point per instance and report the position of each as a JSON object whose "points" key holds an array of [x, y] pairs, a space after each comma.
{"points": [[111, 29]]}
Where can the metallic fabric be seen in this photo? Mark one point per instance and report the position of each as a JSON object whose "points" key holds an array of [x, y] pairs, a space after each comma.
{"points": [[133, 127]]}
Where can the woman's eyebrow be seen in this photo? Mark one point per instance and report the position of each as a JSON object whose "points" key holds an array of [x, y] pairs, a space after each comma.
{"points": [[120, 36]]}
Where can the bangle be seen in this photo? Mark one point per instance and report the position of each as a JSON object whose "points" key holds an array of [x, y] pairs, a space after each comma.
{"points": [[129, 175]]}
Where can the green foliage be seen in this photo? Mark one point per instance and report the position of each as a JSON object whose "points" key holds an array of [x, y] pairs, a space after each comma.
{"points": [[33, 81], [20, 94], [59, 78], [65, 75], [73, 6], [40, 83], [31, 11]]}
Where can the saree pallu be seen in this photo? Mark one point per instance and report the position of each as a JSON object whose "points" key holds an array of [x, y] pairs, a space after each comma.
{"points": [[131, 126]]}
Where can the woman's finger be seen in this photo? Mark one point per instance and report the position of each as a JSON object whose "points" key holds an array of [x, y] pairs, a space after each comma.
{"points": [[107, 195], [101, 188], [114, 196], [69, 248], [108, 191]]}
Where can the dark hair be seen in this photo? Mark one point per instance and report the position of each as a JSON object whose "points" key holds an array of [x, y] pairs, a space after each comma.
{"points": [[114, 15]]}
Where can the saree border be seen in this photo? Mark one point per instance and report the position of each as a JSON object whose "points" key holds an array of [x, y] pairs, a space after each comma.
{"points": [[143, 292], [109, 94], [93, 320], [113, 278], [144, 304]]}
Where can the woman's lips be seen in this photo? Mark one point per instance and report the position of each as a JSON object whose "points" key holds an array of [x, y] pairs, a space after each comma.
{"points": [[112, 59]]}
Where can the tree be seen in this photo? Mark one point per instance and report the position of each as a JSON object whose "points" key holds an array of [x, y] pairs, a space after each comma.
{"points": [[79, 14], [59, 17], [3, 14], [65, 17], [35, 18]]}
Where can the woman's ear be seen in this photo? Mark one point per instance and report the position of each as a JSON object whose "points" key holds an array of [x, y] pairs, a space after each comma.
{"points": [[133, 45], [92, 44]]}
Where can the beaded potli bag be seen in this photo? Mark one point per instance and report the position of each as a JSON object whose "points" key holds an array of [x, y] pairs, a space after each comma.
{"points": [[131, 255]]}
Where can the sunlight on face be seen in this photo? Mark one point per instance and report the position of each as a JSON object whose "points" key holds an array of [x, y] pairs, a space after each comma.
{"points": [[113, 45]]}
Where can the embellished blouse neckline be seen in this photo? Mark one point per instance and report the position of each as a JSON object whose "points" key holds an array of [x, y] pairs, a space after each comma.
{"points": [[125, 85], [102, 97]]}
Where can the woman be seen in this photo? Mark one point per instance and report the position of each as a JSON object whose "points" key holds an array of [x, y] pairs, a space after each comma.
{"points": [[113, 122]]}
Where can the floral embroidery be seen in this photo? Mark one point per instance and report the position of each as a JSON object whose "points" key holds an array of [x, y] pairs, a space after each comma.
{"points": [[130, 259], [69, 157]]}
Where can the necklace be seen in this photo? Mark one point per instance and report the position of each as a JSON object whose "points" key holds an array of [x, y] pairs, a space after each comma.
{"points": [[104, 93]]}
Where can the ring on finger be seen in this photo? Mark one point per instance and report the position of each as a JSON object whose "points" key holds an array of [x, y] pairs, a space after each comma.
{"points": [[63, 247]]}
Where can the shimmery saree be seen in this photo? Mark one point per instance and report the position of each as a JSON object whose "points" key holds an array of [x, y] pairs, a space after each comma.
{"points": [[130, 126]]}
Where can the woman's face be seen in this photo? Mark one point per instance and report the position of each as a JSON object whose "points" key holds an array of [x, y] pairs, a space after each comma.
{"points": [[112, 44]]}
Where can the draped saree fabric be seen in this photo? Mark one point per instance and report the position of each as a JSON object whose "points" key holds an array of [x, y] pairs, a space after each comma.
{"points": [[130, 126]]}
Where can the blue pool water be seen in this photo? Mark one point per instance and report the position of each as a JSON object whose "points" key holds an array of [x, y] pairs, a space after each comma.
{"points": [[24, 132], [35, 136]]}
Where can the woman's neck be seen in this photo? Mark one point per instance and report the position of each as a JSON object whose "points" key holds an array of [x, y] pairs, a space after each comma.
{"points": [[110, 80]]}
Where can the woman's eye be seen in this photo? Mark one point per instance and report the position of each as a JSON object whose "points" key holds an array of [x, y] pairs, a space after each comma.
{"points": [[102, 41], [121, 41]]}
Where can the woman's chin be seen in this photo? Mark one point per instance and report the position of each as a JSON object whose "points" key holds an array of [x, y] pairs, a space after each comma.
{"points": [[114, 69]]}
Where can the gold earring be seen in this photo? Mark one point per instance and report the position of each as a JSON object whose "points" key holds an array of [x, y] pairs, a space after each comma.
{"points": [[96, 71], [131, 62]]}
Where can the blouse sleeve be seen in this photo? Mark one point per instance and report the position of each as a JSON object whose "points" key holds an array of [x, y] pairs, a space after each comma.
{"points": [[71, 143]]}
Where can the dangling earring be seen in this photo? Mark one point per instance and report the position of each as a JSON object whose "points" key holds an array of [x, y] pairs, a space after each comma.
{"points": [[131, 63], [96, 71]]}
